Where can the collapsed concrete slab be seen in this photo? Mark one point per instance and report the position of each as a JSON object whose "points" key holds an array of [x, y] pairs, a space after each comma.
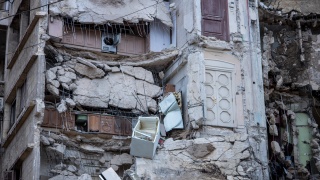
{"points": [[118, 11]]}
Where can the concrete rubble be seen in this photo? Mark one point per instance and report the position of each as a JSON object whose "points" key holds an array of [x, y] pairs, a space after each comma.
{"points": [[130, 85], [74, 153], [291, 84]]}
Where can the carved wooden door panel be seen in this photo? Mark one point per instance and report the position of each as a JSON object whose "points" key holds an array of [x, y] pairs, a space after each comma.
{"points": [[107, 124], [219, 100]]}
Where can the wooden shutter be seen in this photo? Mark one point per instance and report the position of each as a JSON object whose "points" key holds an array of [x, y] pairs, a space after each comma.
{"points": [[94, 123], [215, 19]]}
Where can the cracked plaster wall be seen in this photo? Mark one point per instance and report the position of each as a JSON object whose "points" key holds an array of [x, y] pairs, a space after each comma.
{"points": [[244, 47]]}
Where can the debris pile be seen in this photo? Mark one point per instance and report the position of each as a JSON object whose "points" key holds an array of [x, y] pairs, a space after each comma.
{"points": [[67, 155]]}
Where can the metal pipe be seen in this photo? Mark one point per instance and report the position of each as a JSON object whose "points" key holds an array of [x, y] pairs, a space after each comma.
{"points": [[302, 57]]}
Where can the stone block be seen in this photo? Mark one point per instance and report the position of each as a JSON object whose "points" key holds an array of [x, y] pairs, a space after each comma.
{"points": [[70, 75], [72, 168], [85, 62], [62, 107], [50, 75], [241, 171], [55, 83], [275, 147], [63, 79], [273, 130], [123, 159], [56, 150], [115, 69], [200, 150], [85, 177], [70, 102], [44, 140], [61, 72], [147, 104], [145, 88], [89, 72], [91, 149], [53, 90]]}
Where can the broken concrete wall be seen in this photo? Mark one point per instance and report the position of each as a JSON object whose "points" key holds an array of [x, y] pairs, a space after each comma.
{"points": [[190, 67], [290, 71], [94, 11], [71, 155], [208, 157], [281, 58], [302, 6], [92, 83]]}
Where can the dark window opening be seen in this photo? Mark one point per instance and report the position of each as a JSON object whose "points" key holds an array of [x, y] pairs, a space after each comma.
{"points": [[82, 122], [13, 113], [23, 95]]}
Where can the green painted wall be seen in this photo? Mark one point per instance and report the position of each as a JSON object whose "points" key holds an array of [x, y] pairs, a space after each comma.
{"points": [[304, 135]]}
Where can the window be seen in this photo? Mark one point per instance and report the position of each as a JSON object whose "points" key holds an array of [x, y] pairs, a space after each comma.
{"points": [[9, 175], [215, 19], [13, 113]]}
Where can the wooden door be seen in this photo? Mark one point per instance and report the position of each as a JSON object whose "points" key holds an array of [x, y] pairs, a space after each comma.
{"points": [[215, 19], [94, 123], [51, 119], [107, 124]]}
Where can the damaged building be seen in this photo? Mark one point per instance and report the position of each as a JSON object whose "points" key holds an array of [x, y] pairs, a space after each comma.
{"points": [[208, 89], [290, 64]]}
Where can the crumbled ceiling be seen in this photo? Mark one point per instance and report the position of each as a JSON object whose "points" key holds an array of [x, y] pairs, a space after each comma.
{"points": [[103, 11], [304, 6]]}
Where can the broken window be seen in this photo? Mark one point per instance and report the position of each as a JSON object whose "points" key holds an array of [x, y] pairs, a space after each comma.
{"points": [[215, 19]]}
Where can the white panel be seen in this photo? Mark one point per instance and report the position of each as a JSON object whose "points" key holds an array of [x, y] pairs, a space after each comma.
{"points": [[211, 98], [225, 100], [219, 97], [159, 36]]}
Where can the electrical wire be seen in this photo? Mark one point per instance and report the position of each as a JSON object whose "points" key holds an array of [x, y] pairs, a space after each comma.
{"points": [[30, 10], [68, 23]]}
